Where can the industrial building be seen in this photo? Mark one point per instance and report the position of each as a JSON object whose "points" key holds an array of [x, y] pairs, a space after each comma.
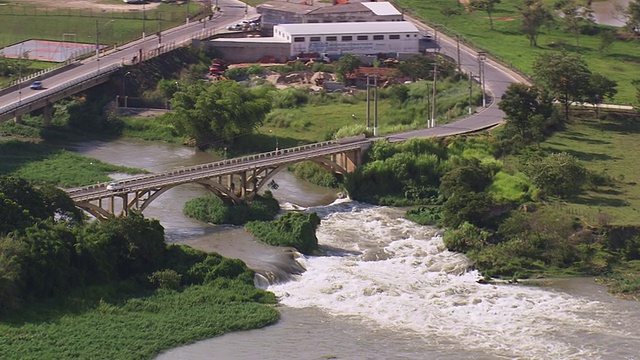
{"points": [[352, 37], [284, 12], [289, 40]]}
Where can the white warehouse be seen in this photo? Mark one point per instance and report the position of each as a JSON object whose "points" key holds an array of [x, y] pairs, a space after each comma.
{"points": [[358, 38], [363, 38]]}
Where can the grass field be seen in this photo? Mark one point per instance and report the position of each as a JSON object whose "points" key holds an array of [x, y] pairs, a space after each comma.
{"points": [[506, 42], [95, 324], [608, 146]]}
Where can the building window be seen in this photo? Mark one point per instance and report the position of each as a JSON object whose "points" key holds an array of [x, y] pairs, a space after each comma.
{"points": [[314, 38], [378, 37], [408, 35], [362, 37], [298, 39], [347, 38], [394, 37], [332, 38], [313, 21]]}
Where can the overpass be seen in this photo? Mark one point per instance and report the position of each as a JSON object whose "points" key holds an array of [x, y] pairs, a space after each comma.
{"points": [[65, 81], [233, 180]]}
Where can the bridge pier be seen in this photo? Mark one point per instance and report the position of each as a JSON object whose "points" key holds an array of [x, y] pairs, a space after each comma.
{"points": [[18, 119], [47, 114]]}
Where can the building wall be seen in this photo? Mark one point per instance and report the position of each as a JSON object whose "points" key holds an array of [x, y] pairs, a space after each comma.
{"points": [[353, 43], [240, 52], [271, 17]]}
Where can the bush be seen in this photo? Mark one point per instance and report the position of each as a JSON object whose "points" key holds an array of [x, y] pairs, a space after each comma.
{"points": [[213, 210], [466, 238], [166, 279], [292, 229]]}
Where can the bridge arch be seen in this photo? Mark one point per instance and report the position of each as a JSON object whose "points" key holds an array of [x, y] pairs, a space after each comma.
{"points": [[232, 180]]}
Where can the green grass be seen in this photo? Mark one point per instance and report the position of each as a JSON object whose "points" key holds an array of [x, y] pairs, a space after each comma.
{"points": [[506, 43], [152, 129], [50, 165], [608, 146], [88, 326], [315, 123], [26, 21]]}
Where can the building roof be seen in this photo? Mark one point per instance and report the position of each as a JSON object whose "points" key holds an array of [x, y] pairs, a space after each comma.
{"points": [[349, 27], [382, 8], [342, 9], [297, 7]]}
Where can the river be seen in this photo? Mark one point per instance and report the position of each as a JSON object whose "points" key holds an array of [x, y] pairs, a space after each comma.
{"points": [[387, 288]]}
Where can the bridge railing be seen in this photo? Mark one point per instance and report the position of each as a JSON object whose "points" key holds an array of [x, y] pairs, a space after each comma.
{"points": [[60, 88]]}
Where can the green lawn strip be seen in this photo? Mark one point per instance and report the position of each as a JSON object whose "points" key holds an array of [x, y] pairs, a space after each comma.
{"points": [[135, 328], [606, 146], [49, 165], [507, 43]]}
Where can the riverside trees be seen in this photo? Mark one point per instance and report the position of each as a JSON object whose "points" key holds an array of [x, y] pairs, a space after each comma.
{"points": [[46, 249], [216, 113]]}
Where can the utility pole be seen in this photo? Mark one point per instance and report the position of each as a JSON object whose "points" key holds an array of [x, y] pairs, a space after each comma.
{"points": [[470, 86], [482, 56], [428, 96], [375, 105], [368, 104], [144, 18], [97, 41], [435, 86], [458, 46]]}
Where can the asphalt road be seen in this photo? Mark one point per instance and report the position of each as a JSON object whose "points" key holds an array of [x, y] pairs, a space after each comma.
{"points": [[232, 11], [497, 79]]}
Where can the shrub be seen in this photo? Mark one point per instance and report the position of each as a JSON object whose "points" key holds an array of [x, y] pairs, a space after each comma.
{"points": [[166, 279], [292, 229]]}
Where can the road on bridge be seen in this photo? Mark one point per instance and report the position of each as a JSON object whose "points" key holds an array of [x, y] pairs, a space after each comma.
{"points": [[232, 11]]}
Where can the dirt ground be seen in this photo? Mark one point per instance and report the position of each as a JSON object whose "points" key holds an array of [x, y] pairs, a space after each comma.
{"points": [[89, 4]]}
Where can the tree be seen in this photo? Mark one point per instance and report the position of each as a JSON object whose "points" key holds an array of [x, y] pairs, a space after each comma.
{"points": [[565, 76], [574, 14], [523, 105], [601, 88], [448, 12], [636, 84], [484, 5], [347, 64], [534, 15], [607, 38], [469, 177], [632, 13], [417, 67], [559, 174], [218, 112]]}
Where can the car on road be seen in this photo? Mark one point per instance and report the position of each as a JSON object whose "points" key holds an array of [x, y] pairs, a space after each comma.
{"points": [[114, 186], [36, 85]]}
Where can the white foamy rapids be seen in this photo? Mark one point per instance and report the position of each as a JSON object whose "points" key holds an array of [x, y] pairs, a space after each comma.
{"points": [[387, 269]]}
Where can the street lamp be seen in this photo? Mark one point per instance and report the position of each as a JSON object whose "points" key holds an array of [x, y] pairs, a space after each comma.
{"points": [[124, 87], [482, 57], [144, 17]]}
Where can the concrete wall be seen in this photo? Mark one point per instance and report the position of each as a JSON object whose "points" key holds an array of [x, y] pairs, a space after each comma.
{"points": [[239, 52]]}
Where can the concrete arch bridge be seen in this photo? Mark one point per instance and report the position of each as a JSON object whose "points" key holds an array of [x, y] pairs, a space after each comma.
{"points": [[233, 180]]}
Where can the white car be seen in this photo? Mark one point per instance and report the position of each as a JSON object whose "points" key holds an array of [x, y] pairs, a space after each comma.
{"points": [[114, 186]]}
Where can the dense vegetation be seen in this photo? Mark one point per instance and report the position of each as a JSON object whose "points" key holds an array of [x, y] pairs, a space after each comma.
{"points": [[62, 278], [293, 229], [213, 210]]}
